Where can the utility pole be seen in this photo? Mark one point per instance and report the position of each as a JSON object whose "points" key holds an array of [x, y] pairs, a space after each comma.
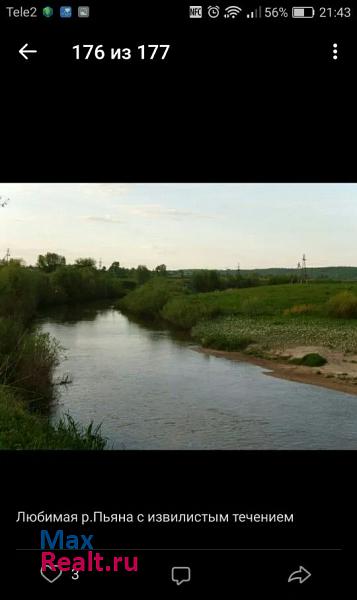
{"points": [[299, 272], [7, 256], [304, 269]]}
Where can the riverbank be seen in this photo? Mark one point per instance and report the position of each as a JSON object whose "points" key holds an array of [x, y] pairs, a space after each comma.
{"points": [[272, 326], [339, 373], [28, 357], [22, 430]]}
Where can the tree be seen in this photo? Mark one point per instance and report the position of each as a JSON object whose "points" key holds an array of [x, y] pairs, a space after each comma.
{"points": [[115, 268], [85, 262], [50, 262], [205, 281], [142, 274], [161, 270], [17, 261]]}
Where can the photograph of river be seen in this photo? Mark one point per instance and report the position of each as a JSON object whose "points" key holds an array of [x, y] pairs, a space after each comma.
{"points": [[178, 316]]}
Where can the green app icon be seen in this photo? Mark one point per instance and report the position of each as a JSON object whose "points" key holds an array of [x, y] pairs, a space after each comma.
{"points": [[47, 11]]}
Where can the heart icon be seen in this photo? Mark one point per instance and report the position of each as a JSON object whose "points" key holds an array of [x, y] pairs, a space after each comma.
{"points": [[53, 575]]}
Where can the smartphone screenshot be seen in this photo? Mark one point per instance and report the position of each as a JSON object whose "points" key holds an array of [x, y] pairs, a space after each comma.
{"points": [[178, 298]]}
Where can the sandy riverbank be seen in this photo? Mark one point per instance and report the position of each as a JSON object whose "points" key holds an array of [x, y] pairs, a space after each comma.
{"points": [[339, 373]]}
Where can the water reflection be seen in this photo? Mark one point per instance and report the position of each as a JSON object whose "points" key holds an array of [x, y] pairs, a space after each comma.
{"points": [[74, 313]]}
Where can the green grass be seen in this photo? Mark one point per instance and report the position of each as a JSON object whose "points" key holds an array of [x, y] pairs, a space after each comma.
{"points": [[185, 312], [167, 299], [21, 430], [298, 299]]}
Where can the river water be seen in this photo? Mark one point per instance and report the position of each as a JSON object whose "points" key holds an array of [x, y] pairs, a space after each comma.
{"points": [[151, 390]]}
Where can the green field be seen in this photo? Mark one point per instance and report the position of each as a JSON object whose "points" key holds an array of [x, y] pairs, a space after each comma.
{"points": [[271, 316], [257, 301]]}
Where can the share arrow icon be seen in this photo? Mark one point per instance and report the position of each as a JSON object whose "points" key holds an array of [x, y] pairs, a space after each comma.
{"points": [[301, 575]]}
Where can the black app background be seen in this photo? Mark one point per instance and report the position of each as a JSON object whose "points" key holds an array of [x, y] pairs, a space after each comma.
{"points": [[268, 106]]}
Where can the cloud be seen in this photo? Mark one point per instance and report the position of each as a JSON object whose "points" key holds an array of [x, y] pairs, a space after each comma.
{"points": [[24, 219], [105, 219], [157, 210], [102, 190], [157, 249]]}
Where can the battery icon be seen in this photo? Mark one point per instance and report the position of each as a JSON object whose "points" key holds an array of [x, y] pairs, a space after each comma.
{"points": [[303, 12]]}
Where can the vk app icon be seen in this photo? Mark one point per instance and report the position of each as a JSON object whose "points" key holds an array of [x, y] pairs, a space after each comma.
{"points": [[65, 12]]}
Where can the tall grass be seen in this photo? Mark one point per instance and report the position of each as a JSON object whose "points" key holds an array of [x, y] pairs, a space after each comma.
{"points": [[185, 312], [21, 430], [343, 305], [27, 361]]}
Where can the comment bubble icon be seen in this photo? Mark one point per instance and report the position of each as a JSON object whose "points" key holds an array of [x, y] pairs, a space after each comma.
{"points": [[180, 575]]}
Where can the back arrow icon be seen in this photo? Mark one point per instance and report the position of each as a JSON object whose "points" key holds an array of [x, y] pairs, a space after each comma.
{"points": [[301, 575], [24, 52]]}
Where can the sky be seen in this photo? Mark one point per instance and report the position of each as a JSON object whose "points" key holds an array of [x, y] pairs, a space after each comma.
{"points": [[212, 226]]}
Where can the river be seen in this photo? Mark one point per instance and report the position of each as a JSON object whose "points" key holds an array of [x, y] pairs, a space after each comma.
{"points": [[152, 390]]}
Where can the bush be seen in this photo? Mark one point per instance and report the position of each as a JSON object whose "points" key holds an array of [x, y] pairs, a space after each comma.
{"points": [[343, 305], [10, 332], [73, 284], [221, 342], [300, 309], [23, 290], [18, 293], [37, 356], [27, 360], [309, 360], [184, 312], [148, 299], [206, 281]]}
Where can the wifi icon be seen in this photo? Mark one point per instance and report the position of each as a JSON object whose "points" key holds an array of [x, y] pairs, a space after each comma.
{"points": [[232, 12]]}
